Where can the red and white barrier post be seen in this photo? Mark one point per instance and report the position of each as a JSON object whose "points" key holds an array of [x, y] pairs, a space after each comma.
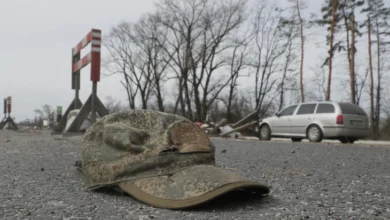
{"points": [[93, 104], [9, 105], [5, 107], [93, 58], [7, 115]]}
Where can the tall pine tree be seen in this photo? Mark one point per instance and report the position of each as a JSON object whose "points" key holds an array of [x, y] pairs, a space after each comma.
{"points": [[339, 15], [378, 15]]}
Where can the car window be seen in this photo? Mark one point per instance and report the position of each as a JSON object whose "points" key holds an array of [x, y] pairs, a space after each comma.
{"points": [[288, 111], [325, 108], [306, 109], [351, 109]]}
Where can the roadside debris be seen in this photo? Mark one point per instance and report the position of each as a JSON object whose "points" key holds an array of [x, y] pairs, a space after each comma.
{"points": [[72, 115], [246, 127]]}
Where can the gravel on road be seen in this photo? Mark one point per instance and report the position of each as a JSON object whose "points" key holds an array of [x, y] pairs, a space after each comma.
{"points": [[308, 181]]}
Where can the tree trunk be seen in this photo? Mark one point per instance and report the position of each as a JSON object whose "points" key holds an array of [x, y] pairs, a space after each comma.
{"points": [[302, 54], [352, 65], [176, 104], [160, 101], [282, 89], [334, 8], [130, 95], [144, 100], [180, 99], [281, 97], [188, 100], [182, 104], [230, 100], [185, 74], [347, 24], [378, 87], [198, 104], [371, 82]]}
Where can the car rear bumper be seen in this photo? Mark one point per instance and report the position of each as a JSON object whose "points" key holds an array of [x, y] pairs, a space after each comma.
{"points": [[333, 132]]}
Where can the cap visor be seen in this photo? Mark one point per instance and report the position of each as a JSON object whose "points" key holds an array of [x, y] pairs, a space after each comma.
{"points": [[189, 187]]}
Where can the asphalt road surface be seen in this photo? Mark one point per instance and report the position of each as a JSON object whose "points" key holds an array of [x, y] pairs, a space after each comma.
{"points": [[308, 181]]}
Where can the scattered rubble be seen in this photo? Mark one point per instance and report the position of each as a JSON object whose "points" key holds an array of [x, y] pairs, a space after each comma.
{"points": [[241, 129]]}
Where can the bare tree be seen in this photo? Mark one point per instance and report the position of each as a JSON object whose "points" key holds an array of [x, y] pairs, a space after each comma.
{"points": [[331, 48], [268, 48], [384, 133], [360, 84], [347, 12], [339, 15], [183, 18], [197, 52], [290, 33], [198, 29], [151, 38], [352, 62], [113, 105], [45, 111], [381, 30], [377, 23], [219, 23], [386, 103], [318, 90], [372, 112], [138, 62], [237, 63], [137, 52], [299, 5], [240, 106], [118, 47]]}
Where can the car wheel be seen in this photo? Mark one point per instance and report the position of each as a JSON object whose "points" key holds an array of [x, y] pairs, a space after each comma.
{"points": [[296, 139], [265, 133], [314, 133]]}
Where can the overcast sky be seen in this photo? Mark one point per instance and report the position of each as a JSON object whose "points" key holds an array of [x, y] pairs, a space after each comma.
{"points": [[36, 41], [35, 48]]}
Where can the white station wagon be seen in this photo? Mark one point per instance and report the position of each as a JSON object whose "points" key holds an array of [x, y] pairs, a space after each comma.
{"points": [[317, 121]]}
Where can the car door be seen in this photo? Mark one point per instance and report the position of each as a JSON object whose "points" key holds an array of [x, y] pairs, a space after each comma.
{"points": [[282, 124], [303, 117], [326, 115]]}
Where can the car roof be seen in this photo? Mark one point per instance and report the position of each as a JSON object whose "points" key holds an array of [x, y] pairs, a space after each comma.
{"points": [[316, 102]]}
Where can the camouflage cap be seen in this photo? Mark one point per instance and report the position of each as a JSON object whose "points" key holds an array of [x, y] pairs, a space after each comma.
{"points": [[161, 159]]}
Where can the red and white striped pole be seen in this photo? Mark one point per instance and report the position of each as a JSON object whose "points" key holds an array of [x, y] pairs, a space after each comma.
{"points": [[9, 105], [94, 37], [93, 58], [95, 55], [95, 69], [5, 107]]}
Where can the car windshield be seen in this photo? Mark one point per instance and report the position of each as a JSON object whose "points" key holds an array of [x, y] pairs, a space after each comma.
{"points": [[351, 109]]}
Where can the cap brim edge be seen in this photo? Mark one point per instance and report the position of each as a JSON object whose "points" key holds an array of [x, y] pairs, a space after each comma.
{"points": [[146, 198]]}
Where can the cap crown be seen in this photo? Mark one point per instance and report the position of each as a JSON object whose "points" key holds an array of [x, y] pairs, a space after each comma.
{"points": [[142, 143]]}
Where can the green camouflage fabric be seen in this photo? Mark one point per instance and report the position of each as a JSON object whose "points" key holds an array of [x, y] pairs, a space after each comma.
{"points": [[156, 157], [141, 143]]}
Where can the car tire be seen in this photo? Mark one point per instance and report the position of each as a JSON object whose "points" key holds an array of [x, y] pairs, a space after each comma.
{"points": [[265, 133], [296, 139], [314, 133]]}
